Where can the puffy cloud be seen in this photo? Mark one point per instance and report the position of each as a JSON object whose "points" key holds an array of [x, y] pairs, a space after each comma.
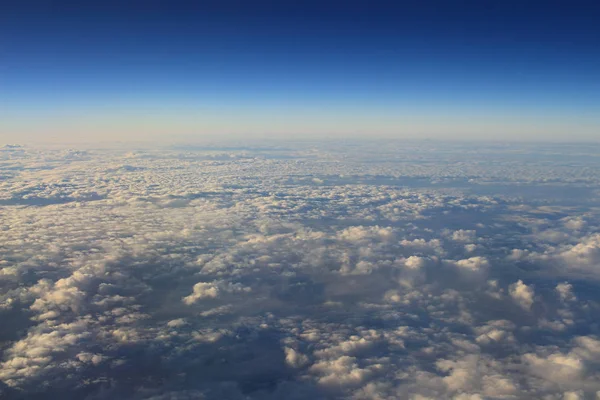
{"points": [[472, 263], [556, 367], [212, 290], [271, 273], [565, 292], [583, 256], [463, 235], [415, 263], [476, 373], [522, 294], [576, 224], [578, 395], [202, 290], [294, 358], [177, 323]]}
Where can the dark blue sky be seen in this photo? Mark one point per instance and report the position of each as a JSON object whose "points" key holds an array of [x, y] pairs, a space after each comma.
{"points": [[325, 67]]}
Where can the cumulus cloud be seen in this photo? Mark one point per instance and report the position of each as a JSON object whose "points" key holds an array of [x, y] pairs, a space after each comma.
{"points": [[522, 294], [212, 290], [306, 272], [463, 235], [472, 263]]}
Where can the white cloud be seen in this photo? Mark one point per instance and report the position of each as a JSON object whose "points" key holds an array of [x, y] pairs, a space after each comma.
{"points": [[522, 294], [565, 292], [251, 274], [212, 290], [472, 263], [463, 235], [294, 358]]}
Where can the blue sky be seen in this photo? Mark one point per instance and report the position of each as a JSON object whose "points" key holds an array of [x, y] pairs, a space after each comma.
{"points": [[154, 70]]}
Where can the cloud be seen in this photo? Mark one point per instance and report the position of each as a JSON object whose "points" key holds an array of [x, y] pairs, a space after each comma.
{"points": [[462, 235], [472, 264], [212, 290], [522, 294], [329, 272]]}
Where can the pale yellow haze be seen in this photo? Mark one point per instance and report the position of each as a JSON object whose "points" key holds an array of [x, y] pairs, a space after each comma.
{"points": [[190, 126]]}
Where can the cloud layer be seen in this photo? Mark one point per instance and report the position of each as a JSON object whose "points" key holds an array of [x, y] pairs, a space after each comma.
{"points": [[382, 271]]}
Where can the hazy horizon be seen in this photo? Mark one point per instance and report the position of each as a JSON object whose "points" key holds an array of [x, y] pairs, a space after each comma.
{"points": [[145, 70]]}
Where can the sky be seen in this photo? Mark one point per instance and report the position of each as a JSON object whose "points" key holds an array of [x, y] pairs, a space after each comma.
{"points": [[183, 71]]}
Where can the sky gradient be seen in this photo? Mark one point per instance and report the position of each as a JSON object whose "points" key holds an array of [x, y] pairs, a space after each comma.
{"points": [[177, 70]]}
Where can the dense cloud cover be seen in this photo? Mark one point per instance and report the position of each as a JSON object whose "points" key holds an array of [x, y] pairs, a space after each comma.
{"points": [[314, 271]]}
